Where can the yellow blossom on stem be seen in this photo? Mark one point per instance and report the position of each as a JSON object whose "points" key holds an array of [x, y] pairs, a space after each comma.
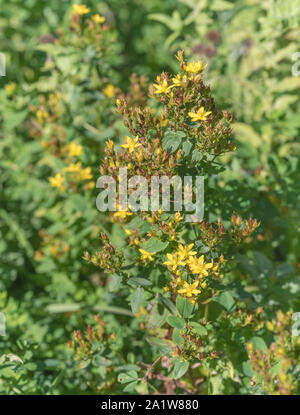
{"points": [[73, 168], [122, 214], [86, 174], [80, 9], [109, 144], [74, 149], [131, 143], [162, 87], [109, 91], [173, 261], [200, 115], [189, 289], [147, 256], [198, 266], [57, 181], [194, 67], [98, 19], [177, 80], [178, 217], [185, 251]]}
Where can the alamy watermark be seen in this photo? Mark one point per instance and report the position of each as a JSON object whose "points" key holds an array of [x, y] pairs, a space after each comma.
{"points": [[2, 324], [296, 326], [2, 65], [296, 66], [134, 194]]}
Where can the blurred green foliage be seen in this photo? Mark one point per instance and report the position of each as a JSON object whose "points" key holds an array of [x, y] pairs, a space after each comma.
{"points": [[46, 292]]}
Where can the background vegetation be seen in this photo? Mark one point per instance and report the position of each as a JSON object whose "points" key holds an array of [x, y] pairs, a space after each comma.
{"points": [[62, 81]]}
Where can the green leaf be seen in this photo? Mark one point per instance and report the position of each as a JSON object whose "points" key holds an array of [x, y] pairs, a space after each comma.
{"points": [[180, 369], [219, 5], [63, 308], [177, 338], [259, 343], [176, 322], [158, 316], [154, 245], [167, 303], [130, 387], [172, 140], [226, 300], [197, 155], [186, 147], [137, 298], [263, 262], [115, 282], [127, 377], [198, 328], [247, 369], [184, 307], [165, 346], [137, 281]]}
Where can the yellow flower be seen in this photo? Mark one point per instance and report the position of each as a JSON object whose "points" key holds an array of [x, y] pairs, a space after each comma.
{"points": [[109, 144], [162, 87], [221, 259], [198, 266], [128, 232], [42, 115], [185, 251], [73, 168], [194, 67], [147, 255], [75, 149], [10, 88], [173, 261], [177, 81], [178, 217], [57, 181], [131, 144], [200, 115], [109, 90], [86, 174], [98, 19], [190, 289], [80, 9], [122, 213]]}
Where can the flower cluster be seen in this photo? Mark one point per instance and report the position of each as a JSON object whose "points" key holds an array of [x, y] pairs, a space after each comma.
{"points": [[85, 345], [109, 258], [276, 368], [190, 108], [189, 271]]}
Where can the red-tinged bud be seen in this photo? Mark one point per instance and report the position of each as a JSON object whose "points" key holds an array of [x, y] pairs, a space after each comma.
{"points": [[103, 236], [199, 343], [77, 335], [204, 322], [86, 255], [171, 162], [201, 356], [221, 229], [213, 353]]}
